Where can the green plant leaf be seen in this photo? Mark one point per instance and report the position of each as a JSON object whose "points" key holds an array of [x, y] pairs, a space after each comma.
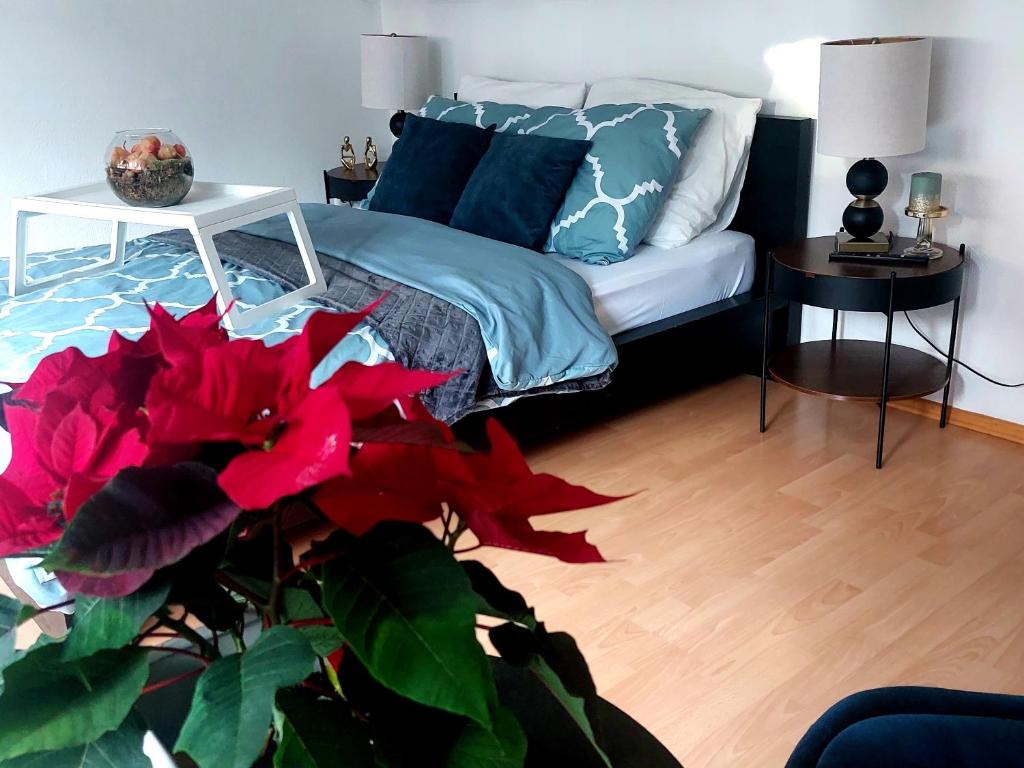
{"points": [[405, 733], [408, 612], [504, 747], [495, 599], [110, 622], [319, 734], [557, 666], [574, 706], [324, 640], [50, 704], [10, 612], [234, 699], [298, 605], [116, 749], [10, 615]]}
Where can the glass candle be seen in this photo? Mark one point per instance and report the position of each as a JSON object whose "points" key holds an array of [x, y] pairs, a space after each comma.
{"points": [[925, 189]]}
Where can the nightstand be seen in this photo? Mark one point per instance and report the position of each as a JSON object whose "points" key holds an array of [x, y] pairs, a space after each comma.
{"points": [[852, 369], [351, 186]]}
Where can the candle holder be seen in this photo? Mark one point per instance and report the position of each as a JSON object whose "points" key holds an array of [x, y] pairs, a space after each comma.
{"points": [[923, 246]]}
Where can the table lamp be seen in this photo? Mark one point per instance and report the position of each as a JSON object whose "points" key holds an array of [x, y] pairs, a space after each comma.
{"points": [[872, 102], [396, 75]]}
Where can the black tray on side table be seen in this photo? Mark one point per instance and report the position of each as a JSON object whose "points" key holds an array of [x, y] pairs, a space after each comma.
{"points": [[853, 369]]}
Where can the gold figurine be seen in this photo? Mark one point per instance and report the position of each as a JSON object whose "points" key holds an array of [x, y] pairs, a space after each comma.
{"points": [[371, 154], [348, 155]]}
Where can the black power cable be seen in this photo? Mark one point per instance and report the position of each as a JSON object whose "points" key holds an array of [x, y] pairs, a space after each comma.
{"points": [[958, 361]]}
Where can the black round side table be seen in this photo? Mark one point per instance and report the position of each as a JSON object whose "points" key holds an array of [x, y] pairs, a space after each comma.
{"points": [[351, 186], [853, 369]]}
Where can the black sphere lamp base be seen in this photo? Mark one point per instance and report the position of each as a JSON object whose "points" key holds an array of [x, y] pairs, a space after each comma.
{"points": [[864, 217], [397, 123]]}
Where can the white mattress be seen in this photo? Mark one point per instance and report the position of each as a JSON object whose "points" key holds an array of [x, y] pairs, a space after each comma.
{"points": [[660, 282]]}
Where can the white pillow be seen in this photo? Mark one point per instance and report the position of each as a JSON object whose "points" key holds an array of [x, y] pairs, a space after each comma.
{"points": [[707, 192], [474, 88]]}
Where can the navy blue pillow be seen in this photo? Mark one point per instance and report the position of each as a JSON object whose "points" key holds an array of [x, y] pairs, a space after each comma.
{"points": [[518, 187], [429, 167]]}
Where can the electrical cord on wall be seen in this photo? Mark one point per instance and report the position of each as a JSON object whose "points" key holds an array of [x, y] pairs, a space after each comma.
{"points": [[958, 361]]}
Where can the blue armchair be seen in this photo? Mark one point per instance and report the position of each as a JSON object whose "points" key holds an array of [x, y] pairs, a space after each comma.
{"points": [[914, 727]]}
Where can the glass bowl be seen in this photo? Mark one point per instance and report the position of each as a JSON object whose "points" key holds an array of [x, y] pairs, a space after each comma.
{"points": [[148, 167]]}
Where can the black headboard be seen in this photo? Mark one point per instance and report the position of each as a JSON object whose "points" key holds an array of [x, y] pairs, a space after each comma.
{"points": [[776, 192]]}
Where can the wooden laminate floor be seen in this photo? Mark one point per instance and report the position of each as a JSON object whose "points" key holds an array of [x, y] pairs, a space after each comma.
{"points": [[757, 579]]}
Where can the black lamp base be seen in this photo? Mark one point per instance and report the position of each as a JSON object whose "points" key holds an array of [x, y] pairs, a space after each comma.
{"points": [[866, 179], [397, 123]]}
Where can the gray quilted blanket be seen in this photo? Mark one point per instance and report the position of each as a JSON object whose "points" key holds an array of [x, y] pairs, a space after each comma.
{"points": [[421, 330]]}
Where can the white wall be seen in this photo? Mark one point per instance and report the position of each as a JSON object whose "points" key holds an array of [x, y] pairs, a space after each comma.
{"points": [[750, 47], [261, 91]]}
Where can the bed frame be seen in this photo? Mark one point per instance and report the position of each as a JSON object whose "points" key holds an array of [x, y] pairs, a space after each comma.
{"points": [[706, 344]]}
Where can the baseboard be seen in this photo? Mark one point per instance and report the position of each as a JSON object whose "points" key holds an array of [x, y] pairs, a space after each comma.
{"points": [[976, 422]]}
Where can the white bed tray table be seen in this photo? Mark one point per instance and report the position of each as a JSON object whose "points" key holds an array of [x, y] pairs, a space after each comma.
{"points": [[207, 210]]}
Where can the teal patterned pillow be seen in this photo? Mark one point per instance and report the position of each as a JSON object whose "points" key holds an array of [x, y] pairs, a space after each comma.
{"points": [[635, 153]]}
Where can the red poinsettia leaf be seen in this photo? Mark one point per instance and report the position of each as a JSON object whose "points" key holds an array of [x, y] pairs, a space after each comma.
{"points": [[120, 345], [505, 458], [26, 471], [206, 317], [71, 440], [50, 371], [23, 524], [335, 658], [517, 533], [180, 341], [144, 519], [389, 481], [79, 489], [301, 354], [401, 431], [369, 389], [544, 494], [7, 401], [358, 511], [311, 445], [117, 448], [119, 585], [230, 395]]}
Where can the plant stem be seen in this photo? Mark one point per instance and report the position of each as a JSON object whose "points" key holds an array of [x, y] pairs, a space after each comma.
{"points": [[181, 652], [446, 521], [311, 623], [172, 680], [310, 562], [49, 608], [275, 585], [234, 586], [209, 650], [459, 530], [464, 550]]}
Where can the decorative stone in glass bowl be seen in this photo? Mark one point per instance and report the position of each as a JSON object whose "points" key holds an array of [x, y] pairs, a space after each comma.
{"points": [[149, 167]]}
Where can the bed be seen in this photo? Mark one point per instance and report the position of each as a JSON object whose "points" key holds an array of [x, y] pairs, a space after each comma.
{"points": [[657, 283], [663, 355], [698, 305]]}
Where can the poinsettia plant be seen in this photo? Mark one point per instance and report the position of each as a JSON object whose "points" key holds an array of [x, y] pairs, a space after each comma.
{"points": [[302, 548]]}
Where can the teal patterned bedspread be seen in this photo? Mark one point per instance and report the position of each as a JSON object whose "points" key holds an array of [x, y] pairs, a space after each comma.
{"points": [[84, 311]]}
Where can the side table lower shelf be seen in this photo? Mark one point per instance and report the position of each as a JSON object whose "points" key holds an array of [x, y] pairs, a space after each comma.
{"points": [[855, 369], [851, 369]]}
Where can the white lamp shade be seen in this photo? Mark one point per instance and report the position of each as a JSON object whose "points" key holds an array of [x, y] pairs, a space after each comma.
{"points": [[395, 72], [873, 96]]}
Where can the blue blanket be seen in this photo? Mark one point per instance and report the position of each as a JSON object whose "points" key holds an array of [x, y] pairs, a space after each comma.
{"points": [[84, 311], [536, 316]]}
